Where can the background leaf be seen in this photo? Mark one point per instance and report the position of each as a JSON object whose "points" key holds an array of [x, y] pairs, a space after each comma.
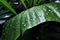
{"points": [[16, 26], [8, 6], [29, 2], [23, 3], [35, 2]]}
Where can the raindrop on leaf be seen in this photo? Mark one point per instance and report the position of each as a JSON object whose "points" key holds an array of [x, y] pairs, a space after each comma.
{"points": [[49, 10], [24, 24]]}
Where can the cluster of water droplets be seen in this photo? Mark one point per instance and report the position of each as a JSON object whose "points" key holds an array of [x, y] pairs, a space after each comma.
{"points": [[23, 24], [41, 17]]}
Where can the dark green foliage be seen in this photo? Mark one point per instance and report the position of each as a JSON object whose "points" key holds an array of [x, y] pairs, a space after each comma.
{"points": [[31, 3]]}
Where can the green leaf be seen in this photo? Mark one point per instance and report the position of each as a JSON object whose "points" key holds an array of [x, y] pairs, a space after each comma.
{"points": [[23, 3], [29, 2], [35, 2], [41, 1], [16, 26], [8, 6]]}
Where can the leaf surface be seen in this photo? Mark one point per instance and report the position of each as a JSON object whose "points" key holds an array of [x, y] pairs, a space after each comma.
{"points": [[16, 26]]}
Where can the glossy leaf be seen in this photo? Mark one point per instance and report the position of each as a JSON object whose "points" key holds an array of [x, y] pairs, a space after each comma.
{"points": [[16, 26], [8, 6]]}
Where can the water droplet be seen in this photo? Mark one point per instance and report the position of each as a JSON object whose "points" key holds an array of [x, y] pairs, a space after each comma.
{"points": [[24, 24], [42, 19], [33, 19], [47, 13], [49, 10], [29, 27]]}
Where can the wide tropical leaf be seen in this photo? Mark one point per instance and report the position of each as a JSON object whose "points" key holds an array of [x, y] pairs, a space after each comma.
{"points": [[16, 26], [8, 6]]}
